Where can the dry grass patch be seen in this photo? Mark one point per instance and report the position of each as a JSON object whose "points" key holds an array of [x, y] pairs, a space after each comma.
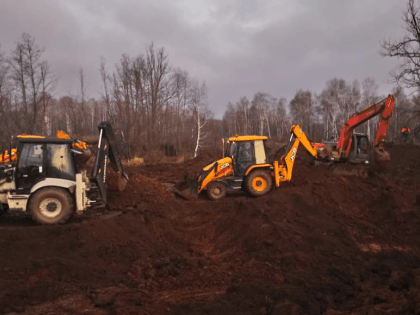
{"points": [[133, 162], [159, 157]]}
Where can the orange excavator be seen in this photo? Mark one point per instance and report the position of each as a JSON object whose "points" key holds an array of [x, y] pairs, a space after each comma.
{"points": [[353, 147]]}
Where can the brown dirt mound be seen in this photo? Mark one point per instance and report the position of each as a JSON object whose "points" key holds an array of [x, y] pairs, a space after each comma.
{"points": [[324, 243], [193, 167]]}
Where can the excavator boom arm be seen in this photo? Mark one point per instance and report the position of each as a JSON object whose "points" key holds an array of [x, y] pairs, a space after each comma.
{"points": [[386, 109], [384, 121]]}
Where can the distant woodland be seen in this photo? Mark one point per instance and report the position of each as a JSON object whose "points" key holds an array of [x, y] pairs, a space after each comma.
{"points": [[152, 104]]}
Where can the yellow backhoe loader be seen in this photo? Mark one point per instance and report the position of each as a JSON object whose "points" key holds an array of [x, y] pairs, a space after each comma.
{"points": [[245, 167], [43, 177]]}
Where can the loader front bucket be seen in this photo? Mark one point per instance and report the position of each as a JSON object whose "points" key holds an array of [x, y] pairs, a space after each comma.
{"points": [[188, 189], [382, 158]]}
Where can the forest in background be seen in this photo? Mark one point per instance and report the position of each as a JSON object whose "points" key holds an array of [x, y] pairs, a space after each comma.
{"points": [[153, 105]]}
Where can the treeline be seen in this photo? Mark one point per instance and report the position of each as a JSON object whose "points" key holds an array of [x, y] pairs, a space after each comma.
{"points": [[321, 115], [153, 105], [264, 115], [150, 103]]}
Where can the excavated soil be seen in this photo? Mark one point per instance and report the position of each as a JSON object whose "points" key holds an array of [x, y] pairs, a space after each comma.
{"points": [[329, 242]]}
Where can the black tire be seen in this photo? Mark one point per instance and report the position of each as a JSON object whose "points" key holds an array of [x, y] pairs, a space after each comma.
{"points": [[216, 190], [3, 208], [258, 183], [51, 205]]}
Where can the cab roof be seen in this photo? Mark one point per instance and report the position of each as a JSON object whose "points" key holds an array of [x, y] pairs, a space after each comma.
{"points": [[247, 138], [45, 140]]}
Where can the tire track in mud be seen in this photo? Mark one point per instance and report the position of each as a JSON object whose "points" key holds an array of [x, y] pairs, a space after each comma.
{"points": [[197, 226], [214, 229], [179, 295]]}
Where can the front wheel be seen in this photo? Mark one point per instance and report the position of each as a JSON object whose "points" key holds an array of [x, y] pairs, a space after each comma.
{"points": [[258, 183], [216, 190], [51, 205]]}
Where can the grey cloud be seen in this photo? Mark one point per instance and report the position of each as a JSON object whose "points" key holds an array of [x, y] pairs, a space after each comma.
{"points": [[238, 47]]}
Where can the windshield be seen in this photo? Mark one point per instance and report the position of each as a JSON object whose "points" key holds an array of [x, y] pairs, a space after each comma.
{"points": [[231, 149]]}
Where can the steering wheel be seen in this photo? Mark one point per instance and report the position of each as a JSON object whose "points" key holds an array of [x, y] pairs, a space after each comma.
{"points": [[33, 170]]}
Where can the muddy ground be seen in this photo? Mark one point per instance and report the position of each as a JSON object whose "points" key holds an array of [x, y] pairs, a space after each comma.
{"points": [[325, 243]]}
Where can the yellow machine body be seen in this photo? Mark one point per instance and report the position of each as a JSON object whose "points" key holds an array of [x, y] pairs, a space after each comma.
{"points": [[256, 175], [214, 171]]}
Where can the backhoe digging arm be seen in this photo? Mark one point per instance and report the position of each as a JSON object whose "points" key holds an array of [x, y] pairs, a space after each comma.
{"points": [[107, 148], [283, 172]]}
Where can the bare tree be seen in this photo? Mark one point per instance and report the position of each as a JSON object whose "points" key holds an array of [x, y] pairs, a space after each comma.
{"points": [[32, 77], [202, 114], [106, 94], [260, 106], [148, 103], [4, 69], [157, 80], [229, 119], [5, 99], [48, 84], [82, 99], [182, 99], [152, 104], [71, 113], [267, 115], [370, 95], [338, 101], [301, 109], [403, 112], [280, 117], [242, 113], [406, 48]]}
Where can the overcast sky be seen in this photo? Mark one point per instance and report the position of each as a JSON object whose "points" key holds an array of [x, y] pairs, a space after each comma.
{"points": [[238, 47]]}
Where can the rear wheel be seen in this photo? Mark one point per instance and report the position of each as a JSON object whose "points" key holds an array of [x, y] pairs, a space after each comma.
{"points": [[216, 190], [258, 183], [3, 208], [51, 205]]}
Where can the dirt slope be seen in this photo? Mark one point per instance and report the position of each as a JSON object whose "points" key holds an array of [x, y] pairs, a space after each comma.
{"points": [[322, 244]]}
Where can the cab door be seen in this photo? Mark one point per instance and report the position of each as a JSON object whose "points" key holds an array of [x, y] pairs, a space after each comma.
{"points": [[245, 157], [30, 167], [260, 156]]}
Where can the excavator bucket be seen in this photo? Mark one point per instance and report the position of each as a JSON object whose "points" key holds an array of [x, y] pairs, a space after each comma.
{"points": [[115, 180], [382, 158], [326, 151], [188, 188]]}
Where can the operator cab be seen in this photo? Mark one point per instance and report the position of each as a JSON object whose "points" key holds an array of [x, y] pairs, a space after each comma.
{"points": [[359, 149], [246, 151], [39, 159]]}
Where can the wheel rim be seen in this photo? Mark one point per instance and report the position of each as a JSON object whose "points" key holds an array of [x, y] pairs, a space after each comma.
{"points": [[50, 207], [217, 191], [259, 183]]}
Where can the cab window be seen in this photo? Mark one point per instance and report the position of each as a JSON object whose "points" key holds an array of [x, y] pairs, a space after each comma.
{"points": [[231, 151], [59, 162], [31, 155]]}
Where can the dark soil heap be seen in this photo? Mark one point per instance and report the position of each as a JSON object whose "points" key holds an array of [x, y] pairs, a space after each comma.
{"points": [[324, 243]]}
